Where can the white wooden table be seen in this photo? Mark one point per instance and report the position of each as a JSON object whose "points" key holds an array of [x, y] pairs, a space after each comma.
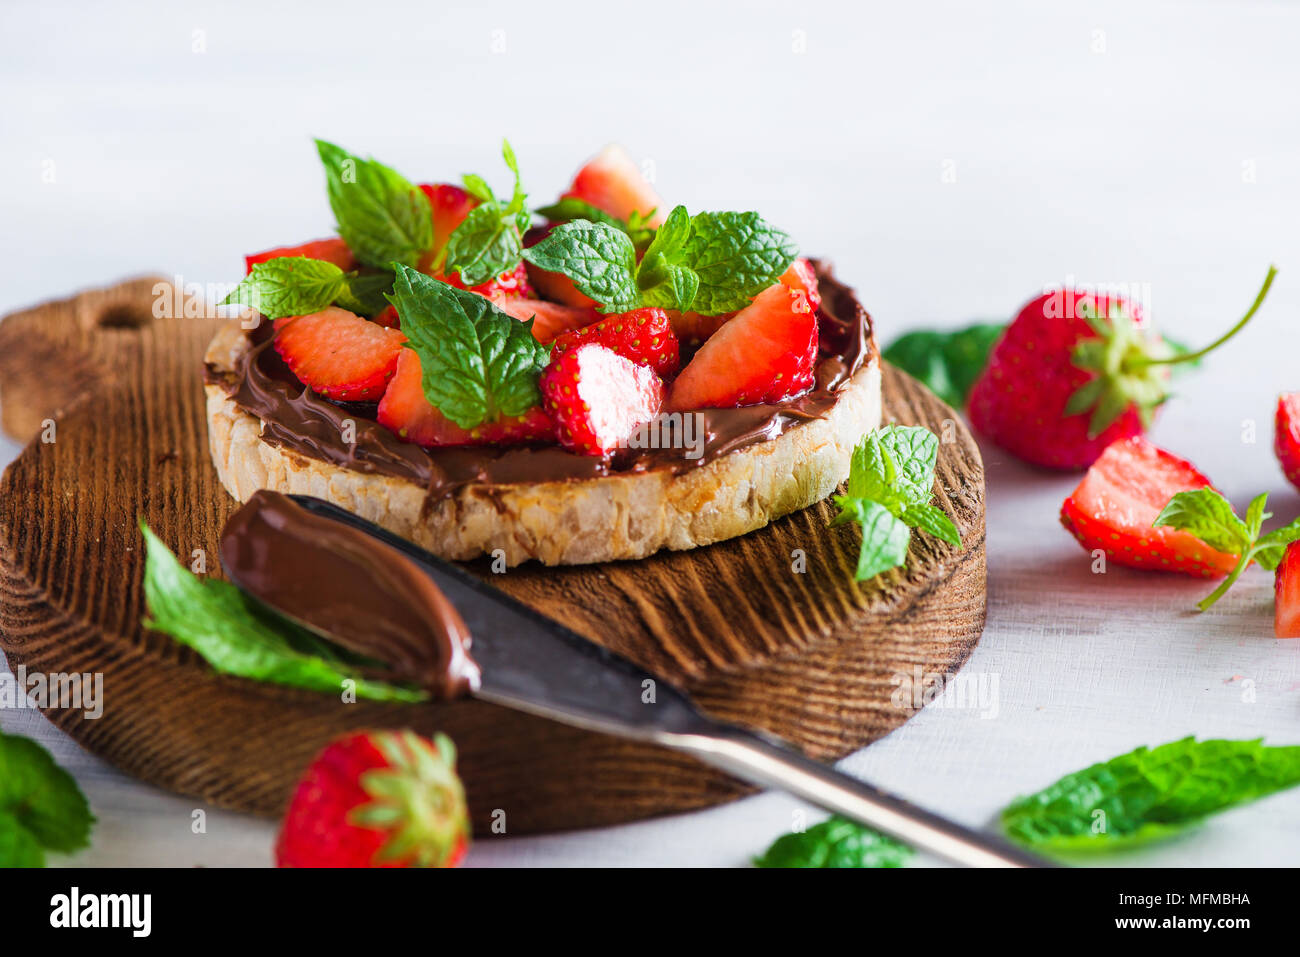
{"points": [[951, 162]]}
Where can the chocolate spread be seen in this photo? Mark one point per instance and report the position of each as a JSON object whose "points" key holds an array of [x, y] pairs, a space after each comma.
{"points": [[370, 598], [295, 417]]}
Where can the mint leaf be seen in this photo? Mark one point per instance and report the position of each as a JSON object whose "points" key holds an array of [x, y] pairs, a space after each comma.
{"points": [[948, 363], [1270, 548], [600, 260], [931, 518], [884, 535], [289, 286], [490, 239], [664, 280], [382, 216], [366, 294], [1207, 515], [891, 482], [236, 638], [736, 256], [1148, 794], [41, 807], [570, 208], [478, 363], [835, 842]]}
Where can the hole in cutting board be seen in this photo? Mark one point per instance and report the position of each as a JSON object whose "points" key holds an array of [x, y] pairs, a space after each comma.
{"points": [[124, 316]]}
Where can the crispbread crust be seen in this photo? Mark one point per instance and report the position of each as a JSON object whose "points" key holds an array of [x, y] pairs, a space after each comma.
{"points": [[566, 522]]}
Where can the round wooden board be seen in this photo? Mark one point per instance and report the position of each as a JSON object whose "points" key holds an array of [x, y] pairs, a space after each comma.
{"points": [[767, 630]]}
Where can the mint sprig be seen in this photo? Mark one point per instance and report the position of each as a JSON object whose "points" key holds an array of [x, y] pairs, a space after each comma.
{"points": [[835, 842], [381, 215], [1210, 517], [41, 807], [478, 364], [490, 240], [298, 285], [1149, 794], [709, 263], [891, 482], [236, 638]]}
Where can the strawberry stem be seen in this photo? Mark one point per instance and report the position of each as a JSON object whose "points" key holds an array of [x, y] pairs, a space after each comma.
{"points": [[1201, 353]]}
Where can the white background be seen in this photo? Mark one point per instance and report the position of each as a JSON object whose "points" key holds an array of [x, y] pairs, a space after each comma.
{"points": [[1146, 143]]}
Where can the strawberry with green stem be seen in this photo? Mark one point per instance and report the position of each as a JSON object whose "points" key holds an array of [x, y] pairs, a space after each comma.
{"points": [[1075, 372]]}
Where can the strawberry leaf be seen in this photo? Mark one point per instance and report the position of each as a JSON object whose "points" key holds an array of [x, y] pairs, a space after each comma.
{"points": [[479, 364]]}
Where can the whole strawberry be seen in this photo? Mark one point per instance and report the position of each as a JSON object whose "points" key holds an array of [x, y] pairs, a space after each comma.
{"points": [[377, 799], [1075, 372], [1286, 436]]}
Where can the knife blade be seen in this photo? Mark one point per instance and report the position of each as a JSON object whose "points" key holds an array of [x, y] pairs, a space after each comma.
{"points": [[533, 663]]}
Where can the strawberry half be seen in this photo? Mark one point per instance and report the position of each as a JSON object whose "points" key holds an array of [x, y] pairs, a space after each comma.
{"points": [[765, 353], [1114, 506], [377, 799], [549, 318], [597, 397], [330, 250], [339, 354], [643, 335], [1286, 594], [449, 206], [1286, 436], [411, 417], [613, 183]]}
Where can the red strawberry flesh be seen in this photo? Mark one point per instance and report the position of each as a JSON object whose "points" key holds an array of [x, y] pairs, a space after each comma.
{"points": [[1114, 506], [597, 397], [1286, 436], [1286, 594], [339, 354], [330, 250]]}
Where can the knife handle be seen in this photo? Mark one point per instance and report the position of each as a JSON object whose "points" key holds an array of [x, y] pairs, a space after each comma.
{"points": [[763, 762]]}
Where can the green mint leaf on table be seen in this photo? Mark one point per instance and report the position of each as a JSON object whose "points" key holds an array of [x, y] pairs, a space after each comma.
{"points": [[836, 842], [1207, 515], [1148, 794], [948, 363], [289, 286], [478, 363], [490, 240], [600, 260], [736, 256], [891, 482], [382, 216], [41, 807], [236, 638]]}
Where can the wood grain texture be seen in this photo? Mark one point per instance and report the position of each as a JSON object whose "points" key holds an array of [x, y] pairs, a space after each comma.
{"points": [[767, 630]]}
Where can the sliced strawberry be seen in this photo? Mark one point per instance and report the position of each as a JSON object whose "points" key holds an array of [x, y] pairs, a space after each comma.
{"points": [[549, 318], [409, 415], [1119, 498], [1286, 594], [339, 354], [330, 250], [509, 285], [766, 353], [643, 335], [1286, 436], [692, 328], [612, 183], [802, 278], [450, 205], [597, 397]]}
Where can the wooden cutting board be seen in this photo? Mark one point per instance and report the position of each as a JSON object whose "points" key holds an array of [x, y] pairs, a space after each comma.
{"points": [[767, 630]]}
